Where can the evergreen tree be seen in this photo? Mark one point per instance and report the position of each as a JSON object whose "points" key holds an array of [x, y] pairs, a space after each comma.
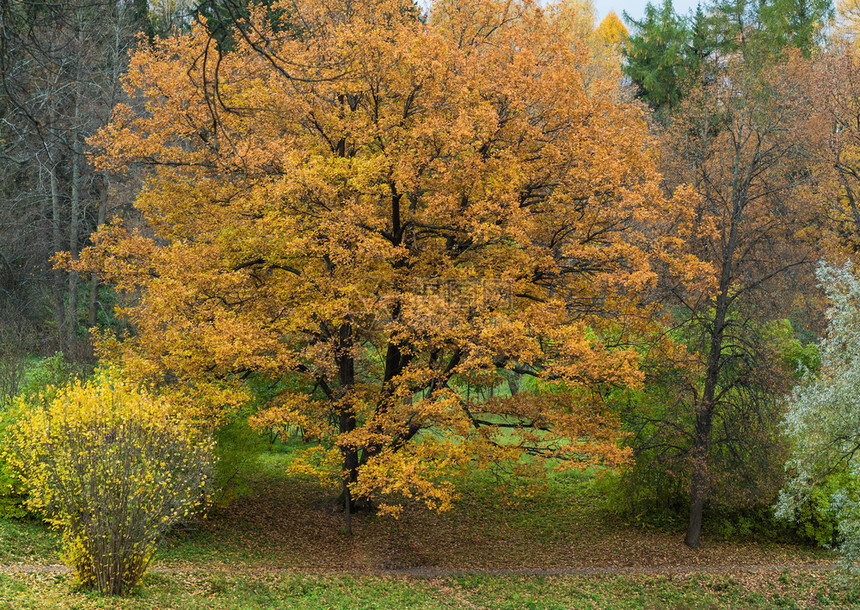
{"points": [[667, 54], [796, 23], [656, 56]]}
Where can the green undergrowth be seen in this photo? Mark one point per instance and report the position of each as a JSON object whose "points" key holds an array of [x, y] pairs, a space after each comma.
{"points": [[28, 542]]}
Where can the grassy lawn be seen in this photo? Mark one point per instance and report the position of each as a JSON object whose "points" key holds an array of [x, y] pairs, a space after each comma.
{"points": [[204, 589], [283, 546]]}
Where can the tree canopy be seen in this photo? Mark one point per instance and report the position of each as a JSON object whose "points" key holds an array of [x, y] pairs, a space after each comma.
{"points": [[388, 217], [670, 54]]}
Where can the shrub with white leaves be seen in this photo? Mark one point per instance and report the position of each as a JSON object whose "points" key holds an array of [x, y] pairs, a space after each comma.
{"points": [[823, 421]]}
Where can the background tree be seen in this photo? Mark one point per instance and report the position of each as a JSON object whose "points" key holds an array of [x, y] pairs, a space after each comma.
{"points": [[727, 125], [797, 23], [60, 65], [379, 215], [668, 54], [847, 21], [747, 449], [839, 82], [604, 42], [167, 16], [758, 30], [746, 144], [656, 59]]}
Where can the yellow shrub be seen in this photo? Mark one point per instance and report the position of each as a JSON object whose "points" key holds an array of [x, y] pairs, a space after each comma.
{"points": [[109, 464]]}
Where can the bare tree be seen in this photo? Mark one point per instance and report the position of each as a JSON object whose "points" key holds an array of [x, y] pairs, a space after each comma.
{"points": [[60, 64]]}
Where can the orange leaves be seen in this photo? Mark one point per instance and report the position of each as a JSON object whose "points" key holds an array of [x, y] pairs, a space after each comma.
{"points": [[397, 213]]}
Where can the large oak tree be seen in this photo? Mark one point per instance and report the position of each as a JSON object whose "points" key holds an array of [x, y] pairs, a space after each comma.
{"points": [[381, 213]]}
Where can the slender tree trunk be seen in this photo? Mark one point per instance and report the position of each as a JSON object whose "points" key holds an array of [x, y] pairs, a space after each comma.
{"points": [[94, 278], [699, 478], [347, 423], [705, 417], [56, 222], [350, 473], [74, 234]]}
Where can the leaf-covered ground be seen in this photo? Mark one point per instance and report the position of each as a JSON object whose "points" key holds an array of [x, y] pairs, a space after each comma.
{"points": [[203, 589], [283, 546], [296, 526]]}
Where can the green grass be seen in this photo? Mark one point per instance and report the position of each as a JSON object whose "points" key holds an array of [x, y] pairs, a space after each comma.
{"points": [[27, 542], [283, 546], [197, 589]]}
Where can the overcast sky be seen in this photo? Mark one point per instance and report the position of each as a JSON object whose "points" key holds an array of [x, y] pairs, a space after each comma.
{"points": [[636, 8]]}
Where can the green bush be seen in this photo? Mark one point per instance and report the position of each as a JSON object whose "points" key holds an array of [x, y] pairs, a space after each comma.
{"points": [[110, 465], [42, 378], [815, 515], [648, 497], [657, 501], [755, 522], [237, 448], [13, 492], [816, 520]]}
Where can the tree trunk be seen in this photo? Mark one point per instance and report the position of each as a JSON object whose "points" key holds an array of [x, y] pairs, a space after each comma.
{"points": [[699, 478], [74, 234], [705, 415], [94, 278], [697, 502], [56, 224], [514, 384], [350, 475], [347, 423]]}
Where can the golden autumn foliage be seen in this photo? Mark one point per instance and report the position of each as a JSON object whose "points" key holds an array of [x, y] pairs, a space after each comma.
{"points": [[838, 83], [847, 22], [114, 468], [390, 218], [600, 46], [612, 33]]}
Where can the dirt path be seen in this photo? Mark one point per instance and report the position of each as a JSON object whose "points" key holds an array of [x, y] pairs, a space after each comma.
{"points": [[430, 572]]}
